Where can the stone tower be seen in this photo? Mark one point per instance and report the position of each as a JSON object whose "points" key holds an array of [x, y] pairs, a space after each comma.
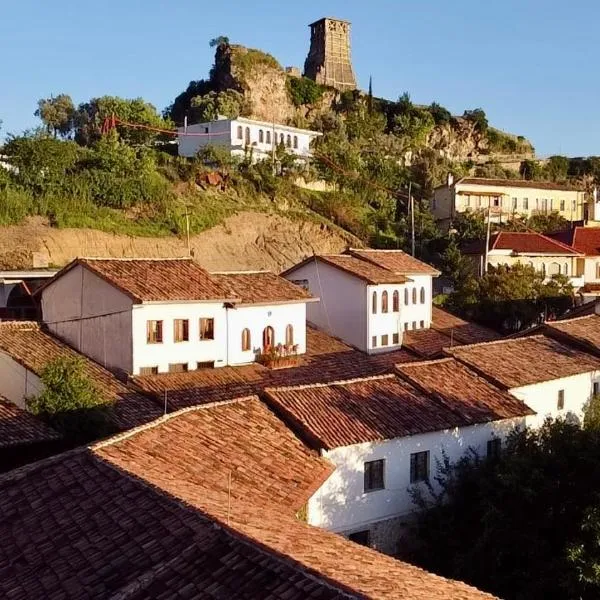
{"points": [[328, 61]]}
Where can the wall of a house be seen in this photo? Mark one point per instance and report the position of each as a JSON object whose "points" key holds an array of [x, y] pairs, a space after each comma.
{"points": [[189, 145], [16, 382]]}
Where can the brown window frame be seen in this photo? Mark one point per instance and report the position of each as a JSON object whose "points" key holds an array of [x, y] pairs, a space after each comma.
{"points": [[396, 301], [560, 400], [211, 329], [181, 330], [374, 475], [154, 337], [149, 370], [384, 302], [374, 303], [419, 466], [246, 340], [173, 367], [385, 340], [395, 338], [494, 448], [289, 335]]}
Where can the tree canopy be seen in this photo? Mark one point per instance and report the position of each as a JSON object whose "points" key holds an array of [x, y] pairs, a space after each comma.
{"points": [[57, 114]]}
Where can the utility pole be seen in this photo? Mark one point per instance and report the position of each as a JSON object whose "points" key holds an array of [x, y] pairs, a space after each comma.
{"points": [[487, 242], [412, 216], [187, 230]]}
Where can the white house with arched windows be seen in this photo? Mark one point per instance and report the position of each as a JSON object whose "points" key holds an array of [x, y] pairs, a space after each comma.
{"points": [[242, 135], [368, 298], [145, 316]]}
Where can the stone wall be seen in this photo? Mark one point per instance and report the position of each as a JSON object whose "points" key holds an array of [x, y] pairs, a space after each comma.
{"points": [[389, 536]]}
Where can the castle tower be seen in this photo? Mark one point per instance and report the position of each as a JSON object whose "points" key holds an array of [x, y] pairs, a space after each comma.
{"points": [[328, 61]]}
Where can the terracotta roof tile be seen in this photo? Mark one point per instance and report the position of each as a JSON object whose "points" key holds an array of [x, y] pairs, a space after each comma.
{"points": [[362, 410], [154, 280], [523, 243], [127, 519], [395, 261], [428, 343], [525, 361], [463, 390], [33, 348], [19, 427], [583, 239], [459, 330], [520, 183], [585, 330], [260, 287]]}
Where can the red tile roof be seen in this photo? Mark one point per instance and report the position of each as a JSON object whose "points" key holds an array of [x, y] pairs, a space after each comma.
{"points": [[427, 343], [459, 330], [523, 243], [463, 391], [19, 427], [585, 240], [396, 261], [261, 287], [33, 349], [326, 359], [367, 410], [153, 280], [585, 330], [520, 183], [128, 519], [524, 361], [369, 272]]}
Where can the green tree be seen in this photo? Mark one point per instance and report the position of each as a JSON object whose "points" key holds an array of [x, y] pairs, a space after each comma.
{"points": [[591, 413], [221, 40], [70, 402], [304, 90], [478, 117], [229, 103], [180, 108], [440, 115], [550, 223], [557, 168], [531, 170], [526, 526], [57, 114]]}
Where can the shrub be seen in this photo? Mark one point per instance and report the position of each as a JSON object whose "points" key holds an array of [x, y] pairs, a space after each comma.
{"points": [[304, 90]]}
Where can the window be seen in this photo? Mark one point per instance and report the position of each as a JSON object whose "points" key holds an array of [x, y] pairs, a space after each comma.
{"points": [[422, 324], [419, 466], [596, 388], [496, 201], [526, 203], [240, 132], [384, 302], [361, 537], [178, 367], [406, 296], [154, 332], [296, 142], [268, 337], [493, 447], [205, 364], [281, 138], [562, 205], [261, 136], [246, 340], [467, 200], [384, 340], [396, 301], [566, 269], [268, 137], [288, 141], [303, 283], [207, 329], [598, 270], [414, 324], [414, 296], [395, 338], [149, 371], [247, 135], [181, 330], [574, 205], [422, 294], [374, 475], [289, 335], [514, 203], [560, 404], [374, 303], [374, 342], [206, 130], [405, 326]]}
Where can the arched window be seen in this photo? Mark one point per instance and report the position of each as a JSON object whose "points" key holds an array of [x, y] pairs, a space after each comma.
{"points": [[396, 302], [554, 269], [406, 296], [240, 132], [268, 137], [246, 340], [288, 141], [374, 303], [289, 336], [281, 136], [247, 135], [414, 296], [261, 136], [384, 302], [422, 295], [566, 271], [296, 142], [268, 337]]}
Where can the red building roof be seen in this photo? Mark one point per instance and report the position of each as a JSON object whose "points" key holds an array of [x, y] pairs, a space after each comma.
{"points": [[585, 240]]}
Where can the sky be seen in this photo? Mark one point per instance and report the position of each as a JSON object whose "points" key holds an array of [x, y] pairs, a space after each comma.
{"points": [[530, 64]]}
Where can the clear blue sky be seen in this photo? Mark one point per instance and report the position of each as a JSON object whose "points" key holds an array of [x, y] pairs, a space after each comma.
{"points": [[530, 64]]}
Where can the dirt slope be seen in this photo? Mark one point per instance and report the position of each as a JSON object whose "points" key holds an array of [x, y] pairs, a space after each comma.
{"points": [[245, 241]]}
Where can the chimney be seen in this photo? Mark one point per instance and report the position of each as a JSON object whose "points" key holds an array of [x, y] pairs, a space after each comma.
{"points": [[450, 179]]}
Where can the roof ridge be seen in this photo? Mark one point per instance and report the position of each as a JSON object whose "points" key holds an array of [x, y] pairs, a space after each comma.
{"points": [[23, 325], [322, 384], [167, 417], [136, 258], [559, 243], [552, 323], [377, 250], [249, 272], [420, 363], [491, 342]]}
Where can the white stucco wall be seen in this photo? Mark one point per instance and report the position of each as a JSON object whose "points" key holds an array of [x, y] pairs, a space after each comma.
{"points": [[342, 505], [415, 313], [543, 397], [380, 323], [169, 351], [16, 382], [91, 315], [256, 318], [343, 306], [190, 144]]}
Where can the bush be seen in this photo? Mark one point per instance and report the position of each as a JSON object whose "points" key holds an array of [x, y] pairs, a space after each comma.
{"points": [[440, 115], [304, 90], [478, 118]]}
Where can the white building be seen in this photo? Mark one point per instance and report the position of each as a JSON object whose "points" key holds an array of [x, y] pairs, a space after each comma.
{"points": [[368, 297], [553, 379], [144, 316], [241, 135], [386, 434]]}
